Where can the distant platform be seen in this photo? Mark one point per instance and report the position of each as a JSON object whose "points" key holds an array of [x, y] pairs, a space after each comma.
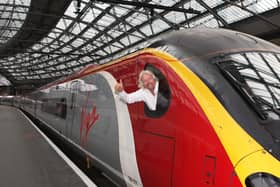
{"points": [[29, 158]]}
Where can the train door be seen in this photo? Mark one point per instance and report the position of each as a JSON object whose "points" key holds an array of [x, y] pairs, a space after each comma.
{"points": [[73, 109], [157, 142]]}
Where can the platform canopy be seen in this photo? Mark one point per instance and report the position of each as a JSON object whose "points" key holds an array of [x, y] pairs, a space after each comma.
{"points": [[44, 40]]}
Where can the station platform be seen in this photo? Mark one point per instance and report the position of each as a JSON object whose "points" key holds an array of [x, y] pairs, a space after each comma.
{"points": [[29, 158]]}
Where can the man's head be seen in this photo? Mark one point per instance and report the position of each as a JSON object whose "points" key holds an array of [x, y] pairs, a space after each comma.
{"points": [[147, 80]]}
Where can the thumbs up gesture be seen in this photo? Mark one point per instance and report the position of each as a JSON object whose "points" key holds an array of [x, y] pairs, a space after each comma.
{"points": [[119, 86]]}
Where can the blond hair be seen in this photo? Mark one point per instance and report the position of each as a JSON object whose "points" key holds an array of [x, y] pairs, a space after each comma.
{"points": [[140, 82]]}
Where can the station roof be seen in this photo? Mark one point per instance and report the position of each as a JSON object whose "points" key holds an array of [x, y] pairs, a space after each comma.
{"points": [[44, 40]]}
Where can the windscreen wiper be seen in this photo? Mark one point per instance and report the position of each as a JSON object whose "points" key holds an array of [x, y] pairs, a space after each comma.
{"points": [[262, 101], [234, 77]]}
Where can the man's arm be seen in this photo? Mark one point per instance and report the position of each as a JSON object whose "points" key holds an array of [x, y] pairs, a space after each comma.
{"points": [[136, 96], [133, 97]]}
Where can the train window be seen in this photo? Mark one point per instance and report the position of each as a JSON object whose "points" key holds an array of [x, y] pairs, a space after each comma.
{"points": [[76, 85], [255, 76], [163, 99], [55, 106]]}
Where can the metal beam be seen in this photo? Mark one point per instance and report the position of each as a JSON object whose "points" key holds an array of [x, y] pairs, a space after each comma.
{"points": [[213, 12], [151, 6]]}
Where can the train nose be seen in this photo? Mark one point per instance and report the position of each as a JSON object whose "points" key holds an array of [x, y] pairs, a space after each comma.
{"points": [[259, 169], [261, 179]]}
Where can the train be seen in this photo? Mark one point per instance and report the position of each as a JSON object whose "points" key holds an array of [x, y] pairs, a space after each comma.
{"points": [[219, 128]]}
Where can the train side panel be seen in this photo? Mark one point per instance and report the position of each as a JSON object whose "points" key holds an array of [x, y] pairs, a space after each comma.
{"points": [[51, 108]]}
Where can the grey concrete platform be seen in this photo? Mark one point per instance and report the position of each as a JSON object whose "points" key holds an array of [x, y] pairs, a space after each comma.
{"points": [[27, 159]]}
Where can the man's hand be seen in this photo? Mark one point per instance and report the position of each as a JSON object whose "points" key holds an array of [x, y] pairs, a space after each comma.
{"points": [[119, 87]]}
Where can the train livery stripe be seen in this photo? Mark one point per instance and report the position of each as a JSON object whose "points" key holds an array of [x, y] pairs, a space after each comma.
{"points": [[126, 138], [238, 146]]}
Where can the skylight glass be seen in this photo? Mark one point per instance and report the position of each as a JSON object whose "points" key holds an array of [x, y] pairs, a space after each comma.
{"points": [[13, 13]]}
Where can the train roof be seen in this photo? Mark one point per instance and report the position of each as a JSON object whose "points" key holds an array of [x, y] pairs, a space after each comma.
{"points": [[209, 42]]}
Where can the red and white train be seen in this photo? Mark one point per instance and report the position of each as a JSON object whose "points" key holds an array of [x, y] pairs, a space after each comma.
{"points": [[219, 127]]}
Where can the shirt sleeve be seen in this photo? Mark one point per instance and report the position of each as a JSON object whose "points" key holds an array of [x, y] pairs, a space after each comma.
{"points": [[133, 97]]}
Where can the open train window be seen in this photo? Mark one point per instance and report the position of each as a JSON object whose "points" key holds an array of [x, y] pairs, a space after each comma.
{"points": [[163, 99]]}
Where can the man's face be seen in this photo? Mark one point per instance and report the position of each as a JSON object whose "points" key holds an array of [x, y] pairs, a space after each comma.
{"points": [[148, 81]]}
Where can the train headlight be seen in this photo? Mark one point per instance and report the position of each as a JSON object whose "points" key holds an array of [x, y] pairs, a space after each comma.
{"points": [[262, 180]]}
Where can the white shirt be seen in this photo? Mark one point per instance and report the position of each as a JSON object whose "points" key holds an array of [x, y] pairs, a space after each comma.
{"points": [[142, 94]]}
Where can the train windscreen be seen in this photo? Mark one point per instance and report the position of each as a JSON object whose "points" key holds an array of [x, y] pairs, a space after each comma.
{"points": [[256, 75]]}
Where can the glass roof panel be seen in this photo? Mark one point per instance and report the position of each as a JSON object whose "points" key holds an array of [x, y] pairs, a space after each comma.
{"points": [[119, 11], [87, 16], [45, 76], [196, 6], [261, 5], [12, 15], [95, 12], [147, 30], [90, 32], [159, 25], [134, 39], [106, 21], [101, 5], [211, 22], [212, 3], [164, 2], [71, 10], [137, 18], [233, 14], [175, 17]]}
